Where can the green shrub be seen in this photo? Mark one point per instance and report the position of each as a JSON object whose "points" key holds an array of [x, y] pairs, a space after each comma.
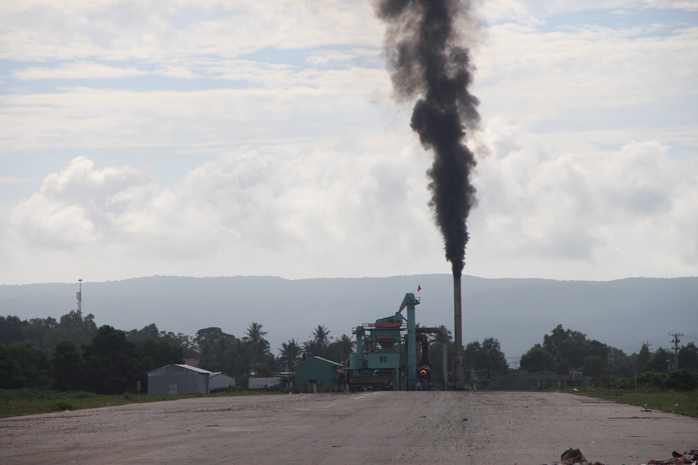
{"points": [[682, 380], [654, 379], [63, 405], [679, 380], [624, 384]]}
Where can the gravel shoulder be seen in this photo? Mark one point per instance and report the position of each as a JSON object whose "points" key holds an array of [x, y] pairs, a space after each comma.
{"points": [[378, 427]]}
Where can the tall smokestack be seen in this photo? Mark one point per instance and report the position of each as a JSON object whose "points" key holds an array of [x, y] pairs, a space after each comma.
{"points": [[458, 335], [427, 62]]}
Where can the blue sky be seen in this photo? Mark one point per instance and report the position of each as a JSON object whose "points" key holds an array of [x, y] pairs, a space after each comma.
{"points": [[260, 138]]}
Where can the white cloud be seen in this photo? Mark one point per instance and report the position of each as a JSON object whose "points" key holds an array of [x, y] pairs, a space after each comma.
{"points": [[678, 4], [178, 72], [575, 216], [104, 188], [80, 70], [48, 224], [535, 12], [121, 30], [79, 205], [305, 167], [286, 212], [329, 56], [89, 118], [322, 212], [14, 180], [592, 85]]}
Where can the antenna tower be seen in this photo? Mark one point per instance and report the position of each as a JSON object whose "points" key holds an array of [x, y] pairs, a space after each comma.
{"points": [[79, 297]]}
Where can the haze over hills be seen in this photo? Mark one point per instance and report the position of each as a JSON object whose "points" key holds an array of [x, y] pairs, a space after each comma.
{"points": [[518, 312]]}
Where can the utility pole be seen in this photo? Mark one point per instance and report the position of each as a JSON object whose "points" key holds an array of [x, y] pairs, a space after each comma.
{"points": [[676, 341]]}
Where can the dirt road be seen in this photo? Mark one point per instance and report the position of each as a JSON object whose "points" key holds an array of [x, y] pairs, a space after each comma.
{"points": [[381, 427]]}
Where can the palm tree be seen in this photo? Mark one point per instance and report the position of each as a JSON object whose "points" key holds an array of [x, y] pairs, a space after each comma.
{"points": [[290, 352], [345, 346], [254, 338], [320, 342], [444, 336], [321, 335]]}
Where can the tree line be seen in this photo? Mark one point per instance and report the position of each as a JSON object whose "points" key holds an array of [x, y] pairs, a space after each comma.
{"points": [[564, 351], [72, 353], [219, 351]]}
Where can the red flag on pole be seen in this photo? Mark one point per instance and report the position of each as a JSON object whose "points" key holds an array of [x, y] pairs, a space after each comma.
{"points": [[419, 287]]}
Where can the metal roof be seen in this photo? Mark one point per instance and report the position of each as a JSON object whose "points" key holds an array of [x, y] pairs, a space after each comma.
{"points": [[186, 367], [196, 369], [324, 360]]}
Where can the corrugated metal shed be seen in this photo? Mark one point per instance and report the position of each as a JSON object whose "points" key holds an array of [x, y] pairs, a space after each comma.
{"points": [[317, 370], [219, 381], [178, 379]]}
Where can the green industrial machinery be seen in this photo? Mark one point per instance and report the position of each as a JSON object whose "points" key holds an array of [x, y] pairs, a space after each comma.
{"points": [[386, 352]]}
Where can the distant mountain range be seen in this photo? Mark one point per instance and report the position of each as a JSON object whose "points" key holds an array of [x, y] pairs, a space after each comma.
{"points": [[518, 312]]}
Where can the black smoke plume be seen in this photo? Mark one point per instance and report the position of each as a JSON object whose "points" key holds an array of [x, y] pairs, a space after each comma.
{"points": [[427, 61]]}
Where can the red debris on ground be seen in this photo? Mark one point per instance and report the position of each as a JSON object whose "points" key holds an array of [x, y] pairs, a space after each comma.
{"points": [[690, 458]]}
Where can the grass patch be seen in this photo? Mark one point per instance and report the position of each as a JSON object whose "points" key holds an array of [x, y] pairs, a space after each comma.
{"points": [[18, 402], [682, 403]]}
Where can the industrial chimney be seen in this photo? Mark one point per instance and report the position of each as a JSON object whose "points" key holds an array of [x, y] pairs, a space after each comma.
{"points": [[459, 382]]}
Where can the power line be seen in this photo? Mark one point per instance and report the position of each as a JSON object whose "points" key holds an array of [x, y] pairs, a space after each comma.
{"points": [[476, 320], [637, 344]]}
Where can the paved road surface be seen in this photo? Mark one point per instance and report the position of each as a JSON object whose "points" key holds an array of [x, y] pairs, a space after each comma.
{"points": [[376, 428]]}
